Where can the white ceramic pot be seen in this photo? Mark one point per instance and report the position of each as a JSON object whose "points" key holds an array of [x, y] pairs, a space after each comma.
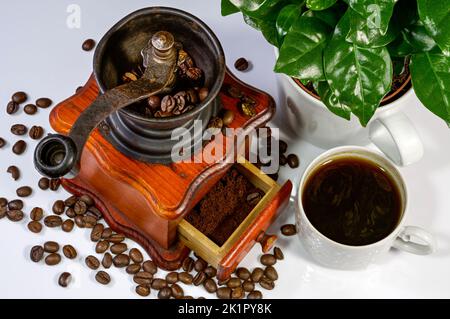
{"points": [[335, 255], [390, 129]]}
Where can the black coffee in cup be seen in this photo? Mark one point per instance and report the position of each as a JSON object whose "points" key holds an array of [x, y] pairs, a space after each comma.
{"points": [[352, 201]]}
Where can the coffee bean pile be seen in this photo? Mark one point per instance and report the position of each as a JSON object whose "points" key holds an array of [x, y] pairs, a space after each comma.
{"points": [[190, 91]]}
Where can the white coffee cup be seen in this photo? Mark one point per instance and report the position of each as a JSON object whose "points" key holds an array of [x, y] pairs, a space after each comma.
{"points": [[340, 256]]}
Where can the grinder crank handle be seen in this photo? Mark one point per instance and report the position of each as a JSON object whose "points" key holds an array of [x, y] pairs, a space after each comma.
{"points": [[59, 156]]}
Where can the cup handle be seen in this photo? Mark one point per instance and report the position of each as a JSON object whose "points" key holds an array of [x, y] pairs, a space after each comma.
{"points": [[404, 242], [395, 135]]}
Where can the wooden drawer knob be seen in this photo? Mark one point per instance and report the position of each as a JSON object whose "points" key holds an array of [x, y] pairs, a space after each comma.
{"points": [[266, 241]]}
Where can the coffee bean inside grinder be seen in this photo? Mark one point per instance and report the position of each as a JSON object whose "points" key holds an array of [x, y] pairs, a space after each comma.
{"points": [[188, 92]]}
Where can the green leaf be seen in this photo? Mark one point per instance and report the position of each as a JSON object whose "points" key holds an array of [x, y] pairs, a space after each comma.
{"points": [[435, 15], [286, 18], [359, 77], [331, 101], [302, 51], [413, 39], [267, 27], [330, 16], [318, 5], [376, 13], [431, 80], [363, 34], [228, 8], [259, 9]]}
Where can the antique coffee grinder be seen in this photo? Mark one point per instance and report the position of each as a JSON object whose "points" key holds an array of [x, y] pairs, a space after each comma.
{"points": [[123, 159]]}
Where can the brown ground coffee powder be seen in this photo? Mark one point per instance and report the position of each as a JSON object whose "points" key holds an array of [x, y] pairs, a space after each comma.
{"points": [[225, 207]]}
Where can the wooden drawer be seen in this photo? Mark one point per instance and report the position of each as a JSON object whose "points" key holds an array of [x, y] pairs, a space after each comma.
{"points": [[225, 258]]}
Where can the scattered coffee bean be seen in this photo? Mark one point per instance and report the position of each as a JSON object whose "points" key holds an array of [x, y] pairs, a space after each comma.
{"points": [[107, 260], [19, 97], [267, 284], [243, 273], [159, 284], [44, 102], [51, 247], [223, 281], [3, 211], [211, 272], [149, 266], [228, 117], [210, 285], [248, 286], [271, 273], [35, 227], [53, 259], [234, 283], [67, 225], [88, 45], [143, 278], [238, 293], [118, 249], [293, 161], [133, 269], [165, 293], [257, 274], [19, 147], [70, 252], [15, 215], [172, 277], [53, 221], [80, 207], [154, 102], [241, 64], [143, 290], [12, 108], [107, 233], [101, 247], [188, 264], [30, 109], [79, 221], [278, 253], [200, 265], [2, 142], [92, 262], [283, 160], [54, 184], [136, 255], [65, 279], [186, 278], [94, 212], [37, 214], [37, 253], [224, 293], [36, 132], [70, 202], [199, 278], [14, 171], [87, 200], [255, 295], [283, 147], [16, 204], [24, 191], [177, 291], [288, 230], [58, 207], [96, 233], [19, 129], [3, 202], [44, 183], [121, 261], [103, 278], [116, 238], [89, 221], [268, 260], [234, 92]]}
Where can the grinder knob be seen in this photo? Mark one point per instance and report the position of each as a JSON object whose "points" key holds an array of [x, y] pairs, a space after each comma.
{"points": [[56, 156]]}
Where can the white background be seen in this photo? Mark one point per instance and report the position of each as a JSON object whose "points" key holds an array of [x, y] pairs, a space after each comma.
{"points": [[42, 56]]}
